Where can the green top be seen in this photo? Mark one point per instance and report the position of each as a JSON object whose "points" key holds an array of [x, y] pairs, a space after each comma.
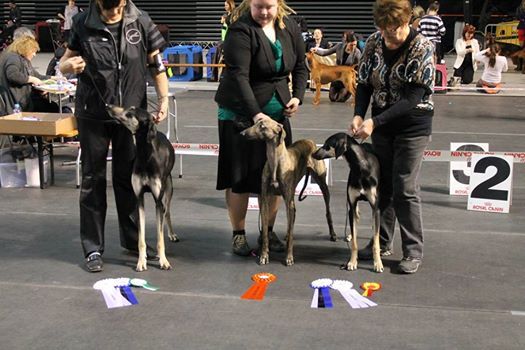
{"points": [[274, 108]]}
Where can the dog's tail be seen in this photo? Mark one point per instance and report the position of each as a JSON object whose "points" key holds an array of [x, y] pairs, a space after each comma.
{"points": [[301, 197]]}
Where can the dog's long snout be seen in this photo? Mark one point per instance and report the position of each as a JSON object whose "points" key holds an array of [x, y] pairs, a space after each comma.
{"points": [[321, 154]]}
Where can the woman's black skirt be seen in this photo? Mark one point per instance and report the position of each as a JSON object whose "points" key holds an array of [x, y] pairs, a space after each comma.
{"points": [[241, 161]]}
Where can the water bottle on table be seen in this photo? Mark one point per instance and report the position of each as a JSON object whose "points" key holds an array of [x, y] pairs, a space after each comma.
{"points": [[17, 110]]}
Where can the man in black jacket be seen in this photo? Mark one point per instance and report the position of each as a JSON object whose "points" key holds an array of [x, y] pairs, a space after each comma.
{"points": [[111, 47]]}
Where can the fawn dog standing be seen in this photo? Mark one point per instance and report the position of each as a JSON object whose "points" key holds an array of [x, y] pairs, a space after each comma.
{"points": [[283, 170], [324, 74], [362, 184], [154, 161]]}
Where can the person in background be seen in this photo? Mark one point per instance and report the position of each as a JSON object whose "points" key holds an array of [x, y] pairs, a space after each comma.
{"points": [[69, 11], [23, 31], [520, 16], [431, 26], [494, 65], [112, 61], [19, 77], [400, 126], [318, 41], [347, 54], [466, 48], [226, 18], [254, 86], [417, 13], [13, 21]]}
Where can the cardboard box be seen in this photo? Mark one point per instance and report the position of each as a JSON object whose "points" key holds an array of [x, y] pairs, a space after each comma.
{"points": [[38, 124]]}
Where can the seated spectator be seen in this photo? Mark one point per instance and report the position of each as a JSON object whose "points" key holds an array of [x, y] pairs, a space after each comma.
{"points": [[346, 51], [13, 21], [466, 48], [490, 81], [23, 31], [317, 41], [347, 54], [18, 76]]}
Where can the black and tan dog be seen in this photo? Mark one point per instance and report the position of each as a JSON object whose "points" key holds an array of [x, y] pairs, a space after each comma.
{"points": [[283, 170], [363, 181], [154, 161]]}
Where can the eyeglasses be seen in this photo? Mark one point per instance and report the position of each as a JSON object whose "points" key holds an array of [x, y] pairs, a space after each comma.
{"points": [[390, 31]]}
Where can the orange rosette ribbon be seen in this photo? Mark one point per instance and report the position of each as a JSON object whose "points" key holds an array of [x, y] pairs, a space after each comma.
{"points": [[257, 290], [370, 288]]}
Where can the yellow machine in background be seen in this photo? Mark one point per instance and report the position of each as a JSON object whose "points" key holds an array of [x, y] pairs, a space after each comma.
{"points": [[504, 32]]}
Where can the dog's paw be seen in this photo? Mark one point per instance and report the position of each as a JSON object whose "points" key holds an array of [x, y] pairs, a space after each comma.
{"points": [[142, 265], [349, 266], [289, 261], [264, 259], [348, 238], [173, 238], [164, 264], [378, 266], [333, 237]]}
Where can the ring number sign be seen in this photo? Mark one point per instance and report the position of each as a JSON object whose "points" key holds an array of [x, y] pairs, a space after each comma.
{"points": [[490, 186], [460, 169]]}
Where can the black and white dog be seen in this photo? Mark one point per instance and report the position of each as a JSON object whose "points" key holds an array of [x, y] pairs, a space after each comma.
{"points": [[363, 181], [154, 161]]}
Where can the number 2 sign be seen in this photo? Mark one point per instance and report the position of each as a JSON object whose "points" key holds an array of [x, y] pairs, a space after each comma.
{"points": [[490, 187]]}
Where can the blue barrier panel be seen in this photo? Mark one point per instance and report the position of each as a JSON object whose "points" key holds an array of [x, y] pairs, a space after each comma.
{"points": [[184, 54]]}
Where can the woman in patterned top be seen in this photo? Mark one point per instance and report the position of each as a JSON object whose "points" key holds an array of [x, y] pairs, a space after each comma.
{"points": [[397, 71]]}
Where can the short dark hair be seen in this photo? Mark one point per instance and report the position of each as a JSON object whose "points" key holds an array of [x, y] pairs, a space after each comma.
{"points": [[108, 4]]}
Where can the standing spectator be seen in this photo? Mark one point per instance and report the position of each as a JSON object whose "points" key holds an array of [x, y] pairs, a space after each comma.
{"points": [[318, 41], [494, 64], [347, 54], [69, 11], [466, 48], [226, 18], [433, 28], [111, 46], [254, 87], [401, 123], [417, 13], [520, 15]]}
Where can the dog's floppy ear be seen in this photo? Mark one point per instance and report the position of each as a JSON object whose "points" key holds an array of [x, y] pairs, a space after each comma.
{"points": [[340, 147], [152, 129]]}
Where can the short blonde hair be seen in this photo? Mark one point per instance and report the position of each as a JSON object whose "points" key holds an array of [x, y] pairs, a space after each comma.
{"points": [[392, 13], [283, 10], [24, 46]]}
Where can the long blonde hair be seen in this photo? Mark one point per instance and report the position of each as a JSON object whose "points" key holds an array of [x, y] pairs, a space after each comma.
{"points": [[283, 11]]}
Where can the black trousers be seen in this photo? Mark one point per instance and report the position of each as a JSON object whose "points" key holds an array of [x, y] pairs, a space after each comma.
{"points": [[95, 137], [465, 71]]}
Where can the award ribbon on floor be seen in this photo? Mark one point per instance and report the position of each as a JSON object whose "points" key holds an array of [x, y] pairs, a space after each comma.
{"points": [[370, 287], [321, 298], [141, 283], [257, 290], [352, 296], [113, 295]]}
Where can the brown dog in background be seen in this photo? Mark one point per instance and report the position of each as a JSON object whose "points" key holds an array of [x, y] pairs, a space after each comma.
{"points": [[324, 74]]}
